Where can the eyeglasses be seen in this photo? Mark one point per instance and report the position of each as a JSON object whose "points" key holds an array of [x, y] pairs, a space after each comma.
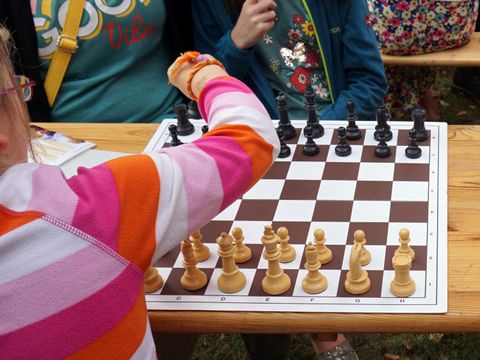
{"points": [[24, 87]]}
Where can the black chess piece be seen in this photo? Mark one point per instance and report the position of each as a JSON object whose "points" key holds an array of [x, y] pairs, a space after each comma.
{"points": [[311, 107], [353, 132], [284, 123], [310, 148], [192, 111], [284, 149], [382, 150], [204, 129], [184, 126], [342, 149], [172, 128], [413, 151], [418, 117], [382, 117]]}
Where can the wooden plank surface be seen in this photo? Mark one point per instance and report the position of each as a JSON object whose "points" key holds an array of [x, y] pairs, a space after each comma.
{"points": [[463, 253], [466, 55]]}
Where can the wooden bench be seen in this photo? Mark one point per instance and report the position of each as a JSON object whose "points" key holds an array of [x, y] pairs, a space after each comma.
{"points": [[466, 55]]}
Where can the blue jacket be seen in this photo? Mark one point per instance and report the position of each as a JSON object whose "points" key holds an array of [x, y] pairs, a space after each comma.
{"points": [[353, 63]]}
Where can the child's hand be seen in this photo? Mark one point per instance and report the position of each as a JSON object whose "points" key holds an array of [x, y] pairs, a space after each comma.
{"points": [[256, 18]]}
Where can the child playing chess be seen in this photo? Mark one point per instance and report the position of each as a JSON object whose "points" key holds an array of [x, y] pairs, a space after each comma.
{"points": [[73, 251]]}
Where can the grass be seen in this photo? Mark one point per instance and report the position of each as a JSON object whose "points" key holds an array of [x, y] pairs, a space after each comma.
{"points": [[456, 109]]}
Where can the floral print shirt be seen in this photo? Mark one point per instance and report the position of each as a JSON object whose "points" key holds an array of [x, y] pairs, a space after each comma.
{"points": [[291, 57]]}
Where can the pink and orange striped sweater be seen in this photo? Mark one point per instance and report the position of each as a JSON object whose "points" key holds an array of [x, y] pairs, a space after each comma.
{"points": [[73, 251]]}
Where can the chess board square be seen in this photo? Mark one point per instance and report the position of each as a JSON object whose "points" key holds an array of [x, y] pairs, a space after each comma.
{"points": [[210, 263], [164, 272], [300, 189], [332, 276], [265, 189], [375, 288], [256, 287], [252, 263], [279, 170], [295, 264], [375, 232], [370, 138], [336, 190], [355, 156], [377, 253], [292, 152], [417, 276], [402, 158], [303, 170], [350, 142], [169, 259], [230, 212], [403, 138], [296, 138], [213, 229], [326, 210], [376, 171], [338, 252], [420, 262], [252, 230], [373, 190], [321, 156], [368, 155], [418, 233], [326, 139], [411, 172], [410, 191], [335, 232], [294, 210], [257, 210], [340, 171], [172, 283], [297, 230], [212, 288], [370, 211], [409, 211]]}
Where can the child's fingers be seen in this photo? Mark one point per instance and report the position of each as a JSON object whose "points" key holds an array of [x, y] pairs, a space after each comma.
{"points": [[265, 5], [265, 17]]}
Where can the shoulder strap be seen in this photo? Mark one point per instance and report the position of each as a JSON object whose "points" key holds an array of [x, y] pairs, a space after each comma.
{"points": [[66, 47]]}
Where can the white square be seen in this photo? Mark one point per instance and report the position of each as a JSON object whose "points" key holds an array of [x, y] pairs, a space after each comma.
{"points": [[376, 171], [295, 264], [370, 211], [355, 156], [306, 170], [336, 190], [400, 156], [370, 140], [207, 264], [410, 191], [326, 139], [418, 277], [377, 253], [418, 233], [252, 230], [294, 210], [292, 147], [265, 189], [336, 233], [212, 288], [333, 279], [230, 212]]}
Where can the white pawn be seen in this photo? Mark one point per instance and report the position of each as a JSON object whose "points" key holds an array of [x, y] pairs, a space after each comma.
{"points": [[242, 253], [404, 239], [359, 238], [324, 253], [314, 282], [152, 281], [201, 251], [287, 252]]}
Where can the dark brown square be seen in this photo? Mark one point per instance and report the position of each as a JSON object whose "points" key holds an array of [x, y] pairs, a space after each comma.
{"points": [[376, 278], [263, 210], [338, 251], [340, 171], [256, 289], [368, 155], [300, 189], [172, 283], [403, 139], [326, 210], [297, 230], [411, 172], [295, 139], [373, 190], [409, 211], [279, 170], [169, 259], [375, 233], [420, 262], [257, 251], [213, 229], [350, 142], [321, 156]]}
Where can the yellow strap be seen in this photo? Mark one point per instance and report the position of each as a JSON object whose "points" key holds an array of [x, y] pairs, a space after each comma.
{"points": [[66, 47]]}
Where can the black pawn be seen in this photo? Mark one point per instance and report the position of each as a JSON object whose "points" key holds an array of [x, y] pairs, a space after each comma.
{"points": [[413, 151], [382, 117], [192, 111], [382, 150], [184, 126], [284, 149], [310, 148], [284, 123], [353, 132], [172, 128], [311, 107], [204, 129], [342, 149], [418, 117]]}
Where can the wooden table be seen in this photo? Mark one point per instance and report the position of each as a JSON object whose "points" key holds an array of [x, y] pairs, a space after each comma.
{"points": [[463, 253]]}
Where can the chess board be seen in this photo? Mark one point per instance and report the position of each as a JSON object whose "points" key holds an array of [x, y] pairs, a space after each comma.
{"points": [[339, 195]]}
